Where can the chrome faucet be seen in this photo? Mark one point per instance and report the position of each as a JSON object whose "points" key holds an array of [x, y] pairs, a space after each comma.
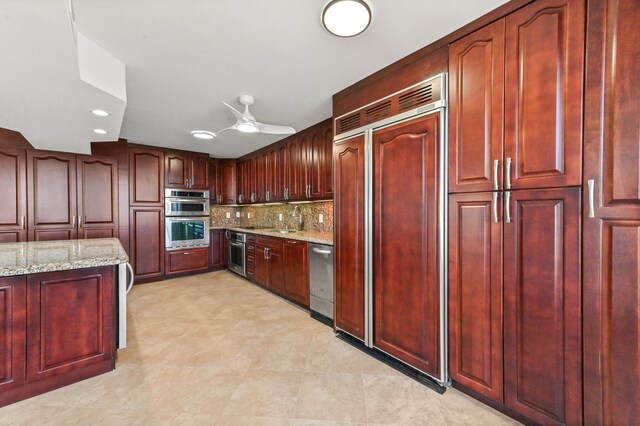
{"points": [[300, 220]]}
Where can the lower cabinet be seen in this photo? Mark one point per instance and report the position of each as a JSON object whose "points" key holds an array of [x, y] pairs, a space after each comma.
{"points": [[188, 260], [217, 249], [269, 272], [296, 271], [57, 328], [13, 332], [146, 225], [533, 244]]}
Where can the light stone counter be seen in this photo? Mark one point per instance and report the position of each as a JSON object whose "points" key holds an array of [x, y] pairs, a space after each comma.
{"points": [[47, 256], [308, 236]]}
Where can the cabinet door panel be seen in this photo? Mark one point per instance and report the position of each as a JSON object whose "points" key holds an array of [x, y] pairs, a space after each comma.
{"points": [[261, 265], [13, 326], [476, 72], [147, 241], [327, 161], [217, 249], [214, 181], [475, 293], [199, 172], [406, 283], [349, 236], [64, 336], [276, 271], [97, 197], [315, 161], [542, 305], [296, 271], [543, 93], [176, 170], [13, 193], [293, 169], [611, 271], [52, 197], [146, 174], [228, 176]]}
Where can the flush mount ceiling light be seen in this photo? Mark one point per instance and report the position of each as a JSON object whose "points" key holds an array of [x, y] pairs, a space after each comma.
{"points": [[99, 131], [247, 127], [100, 112], [203, 134], [346, 18]]}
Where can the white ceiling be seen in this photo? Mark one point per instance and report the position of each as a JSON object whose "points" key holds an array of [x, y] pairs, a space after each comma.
{"points": [[183, 58]]}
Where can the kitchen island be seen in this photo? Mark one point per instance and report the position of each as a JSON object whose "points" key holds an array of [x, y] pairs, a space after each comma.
{"points": [[62, 313]]}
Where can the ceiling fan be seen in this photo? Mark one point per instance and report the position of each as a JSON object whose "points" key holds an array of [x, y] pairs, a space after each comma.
{"points": [[246, 123]]}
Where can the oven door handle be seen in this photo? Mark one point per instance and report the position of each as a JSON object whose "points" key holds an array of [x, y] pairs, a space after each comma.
{"points": [[188, 219], [236, 244]]}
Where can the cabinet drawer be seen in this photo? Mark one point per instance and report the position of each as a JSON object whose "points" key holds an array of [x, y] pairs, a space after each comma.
{"points": [[180, 261]]}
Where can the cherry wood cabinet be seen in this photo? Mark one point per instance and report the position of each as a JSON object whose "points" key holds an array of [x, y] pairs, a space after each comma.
{"points": [[269, 263], [184, 170], [13, 326], [542, 305], [611, 276], [217, 249], [273, 184], [251, 257], [71, 321], [544, 52], [13, 193], [215, 182], [187, 260], [147, 242], [57, 328], [327, 160], [52, 203], [228, 181], [537, 54], [476, 100], [475, 293], [406, 287], [292, 169], [97, 197], [146, 177], [296, 271], [349, 235]]}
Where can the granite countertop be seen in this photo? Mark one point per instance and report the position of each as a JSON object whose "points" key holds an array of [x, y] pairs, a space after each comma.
{"points": [[308, 236], [47, 256]]}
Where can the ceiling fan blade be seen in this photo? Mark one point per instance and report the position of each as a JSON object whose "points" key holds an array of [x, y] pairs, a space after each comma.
{"points": [[234, 127], [273, 129], [240, 118]]}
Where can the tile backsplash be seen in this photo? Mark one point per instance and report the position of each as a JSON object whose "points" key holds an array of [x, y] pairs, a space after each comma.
{"points": [[268, 215]]}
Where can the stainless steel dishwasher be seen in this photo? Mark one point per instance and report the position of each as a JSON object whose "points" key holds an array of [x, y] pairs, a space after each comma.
{"points": [[321, 282]]}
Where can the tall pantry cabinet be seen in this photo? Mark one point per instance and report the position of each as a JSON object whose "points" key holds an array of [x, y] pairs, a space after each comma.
{"points": [[515, 145], [611, 216]]}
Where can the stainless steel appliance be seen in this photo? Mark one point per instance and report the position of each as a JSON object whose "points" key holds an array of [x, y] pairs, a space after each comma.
{"points": [[321, 282], [427, 272], [186, 218], [237, 250], [186, 202]]}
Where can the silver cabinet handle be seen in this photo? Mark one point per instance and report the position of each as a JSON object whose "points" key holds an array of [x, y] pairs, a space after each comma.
{"points": [[240, 198], [187, 253], [317, 250], [268, 196], [507, 214], [130, 268], [592, 210], [73, 221], [308, 191], [495, 174], [23, 223], [494, 206], [507, 175]]}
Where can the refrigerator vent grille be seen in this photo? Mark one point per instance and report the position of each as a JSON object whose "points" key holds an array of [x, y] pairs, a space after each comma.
{"points": [[413, 97]]}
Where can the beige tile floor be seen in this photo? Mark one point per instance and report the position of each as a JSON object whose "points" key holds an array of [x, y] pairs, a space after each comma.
{"points": [[214, 349]]}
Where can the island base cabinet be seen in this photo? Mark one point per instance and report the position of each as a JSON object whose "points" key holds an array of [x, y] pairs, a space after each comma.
{"points": [[57, 328], [13, 310]]}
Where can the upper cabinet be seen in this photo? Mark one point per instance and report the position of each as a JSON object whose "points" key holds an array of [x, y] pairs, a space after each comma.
{"points": [[71, 196], [536, 54], [186, 170], [13, 192], [146, 177], [476, 73], [228, 182]]}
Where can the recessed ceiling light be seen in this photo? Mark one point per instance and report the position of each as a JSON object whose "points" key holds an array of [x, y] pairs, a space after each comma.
{"points": [[247, 127], [100, 112], [346, 18], [100, 131], [203, 134]]}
